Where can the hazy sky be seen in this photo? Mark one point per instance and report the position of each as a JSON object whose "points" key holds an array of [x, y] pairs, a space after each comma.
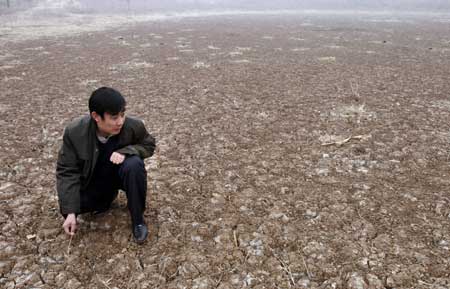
{"points": [[117, 5], [280, 4]]}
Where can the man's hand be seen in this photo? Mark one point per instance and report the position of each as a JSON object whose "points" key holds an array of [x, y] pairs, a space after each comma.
{"points": [[70, 224], [117, 158]]}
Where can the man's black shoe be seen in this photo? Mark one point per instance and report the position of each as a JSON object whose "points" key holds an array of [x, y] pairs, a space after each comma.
{"points": [[140, 233]]}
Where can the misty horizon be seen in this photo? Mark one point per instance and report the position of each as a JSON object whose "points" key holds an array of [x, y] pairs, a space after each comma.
{"points": [[183, 5]]}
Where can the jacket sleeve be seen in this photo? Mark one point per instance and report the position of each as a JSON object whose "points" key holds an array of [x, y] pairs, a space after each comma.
{"points": [[144, 146], [68, 177]]}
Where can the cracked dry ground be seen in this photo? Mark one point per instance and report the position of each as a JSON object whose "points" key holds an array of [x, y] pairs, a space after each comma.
{"points": [[255, 182]]}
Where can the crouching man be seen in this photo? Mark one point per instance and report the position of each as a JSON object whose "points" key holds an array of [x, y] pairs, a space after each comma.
{"points": [[102, 153]]}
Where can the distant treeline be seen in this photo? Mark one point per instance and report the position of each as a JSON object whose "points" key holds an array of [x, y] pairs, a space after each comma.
{"points": [[15, 3]]}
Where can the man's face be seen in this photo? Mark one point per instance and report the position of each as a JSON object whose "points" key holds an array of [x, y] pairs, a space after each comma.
{"points": [[109, 124]]}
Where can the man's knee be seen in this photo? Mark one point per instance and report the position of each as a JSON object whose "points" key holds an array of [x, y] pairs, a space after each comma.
{"points": [[132, 164]]}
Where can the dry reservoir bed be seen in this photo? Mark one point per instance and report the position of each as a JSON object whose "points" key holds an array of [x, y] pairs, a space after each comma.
{"points": [[294, 151]]}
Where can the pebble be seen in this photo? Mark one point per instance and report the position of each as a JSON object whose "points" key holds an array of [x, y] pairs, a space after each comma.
{"points": [[22, 263], [279, 215], [201, 283], [9, 228], [60, 279], [9, 285], [5, 267], [196, 239], [310, 214], [73, 284], [256, 247], [49, 233], [248, 280], [29, 278], [217, 199], [374, 282], [304, 283], [402, 278], [444, 244], [7, 251], [235, 279], [120, 239], [356, 281], [390, 282], [49, 276], [224, 286]]}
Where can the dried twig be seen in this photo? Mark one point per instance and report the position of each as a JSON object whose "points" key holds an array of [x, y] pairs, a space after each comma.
{"points": [[285, 267], [341, 142], [105, 283], [220, 280], [425, 283], [162, 263], [235, 238], [338, 143], [70, 242], [129, 282], [306, 268], [355, 90]]}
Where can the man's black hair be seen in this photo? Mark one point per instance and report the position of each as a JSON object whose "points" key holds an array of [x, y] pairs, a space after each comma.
{"points": [[106, 99]]}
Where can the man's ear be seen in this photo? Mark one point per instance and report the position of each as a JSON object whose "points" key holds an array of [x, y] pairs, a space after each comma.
{"points": [[95, 116]]}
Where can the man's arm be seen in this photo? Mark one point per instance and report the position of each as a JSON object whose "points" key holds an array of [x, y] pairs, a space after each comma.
{"points": [[145, 144], [68, 182]]}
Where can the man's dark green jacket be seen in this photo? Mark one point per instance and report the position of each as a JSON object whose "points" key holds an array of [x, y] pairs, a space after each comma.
{"points": [[78, 156]]}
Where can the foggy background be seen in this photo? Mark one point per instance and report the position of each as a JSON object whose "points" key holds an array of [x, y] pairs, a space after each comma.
{"points": [[182, 5]]}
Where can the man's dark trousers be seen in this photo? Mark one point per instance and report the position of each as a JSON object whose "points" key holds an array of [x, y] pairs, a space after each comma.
{"points": [[108, 178]]}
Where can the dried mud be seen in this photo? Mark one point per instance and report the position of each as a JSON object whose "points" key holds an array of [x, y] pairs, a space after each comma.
{"points": [[293, 152]]}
